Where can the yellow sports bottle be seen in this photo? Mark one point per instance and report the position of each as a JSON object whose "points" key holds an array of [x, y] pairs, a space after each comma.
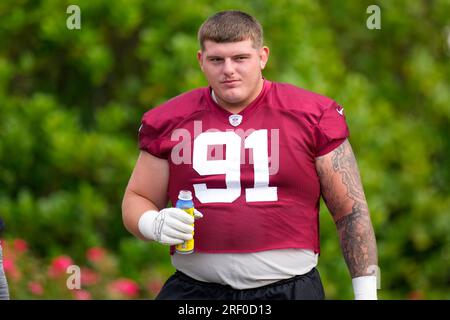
{"points": [[185, 202]]}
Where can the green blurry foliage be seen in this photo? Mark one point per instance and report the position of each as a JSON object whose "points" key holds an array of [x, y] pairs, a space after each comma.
{"points": [[71, 103]]}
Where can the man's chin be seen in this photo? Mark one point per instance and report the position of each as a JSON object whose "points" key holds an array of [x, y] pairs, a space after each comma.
{"points": [[232, 96], [233, 100]]}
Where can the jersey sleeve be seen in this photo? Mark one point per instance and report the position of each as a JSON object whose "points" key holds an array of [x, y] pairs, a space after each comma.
{"points": [[151, 135], [331, 130]]}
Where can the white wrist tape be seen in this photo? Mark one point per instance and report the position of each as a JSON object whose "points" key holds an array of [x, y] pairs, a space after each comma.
{"points": [[146, 224], [365, 288]]}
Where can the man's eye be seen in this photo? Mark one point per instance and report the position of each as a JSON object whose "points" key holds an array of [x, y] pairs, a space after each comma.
{"points": [[241, 58]]}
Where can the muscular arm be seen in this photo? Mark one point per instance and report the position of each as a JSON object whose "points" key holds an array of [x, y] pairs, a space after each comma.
{"points": [[344, 196]]}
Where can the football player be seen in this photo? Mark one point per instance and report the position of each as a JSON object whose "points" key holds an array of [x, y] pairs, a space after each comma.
{"points": [[256, 155]]}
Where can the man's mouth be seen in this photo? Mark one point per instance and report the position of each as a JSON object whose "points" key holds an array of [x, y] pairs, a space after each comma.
{"points": [[228, 82]]}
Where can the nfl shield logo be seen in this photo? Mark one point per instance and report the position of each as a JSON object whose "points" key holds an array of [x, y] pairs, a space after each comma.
{"points": [[235, 120]]}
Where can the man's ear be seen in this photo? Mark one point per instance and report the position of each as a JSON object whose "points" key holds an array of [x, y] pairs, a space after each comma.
{"points": [[200, 58], [263, 56]]}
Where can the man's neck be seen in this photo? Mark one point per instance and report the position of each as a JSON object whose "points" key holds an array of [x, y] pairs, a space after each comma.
{"points": [[213, 96]]}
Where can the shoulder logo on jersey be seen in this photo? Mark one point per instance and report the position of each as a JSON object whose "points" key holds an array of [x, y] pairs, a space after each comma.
{"points": [[340, 110], [235, 120]]}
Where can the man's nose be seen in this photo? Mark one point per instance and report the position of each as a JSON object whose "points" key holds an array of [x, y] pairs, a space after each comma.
{"points": [[228, 67]]}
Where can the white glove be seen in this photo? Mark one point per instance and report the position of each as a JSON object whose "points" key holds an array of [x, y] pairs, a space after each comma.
{"points": [[169, 226]]}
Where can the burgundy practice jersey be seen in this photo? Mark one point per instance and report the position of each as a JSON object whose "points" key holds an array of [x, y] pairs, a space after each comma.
{"points": [[252, 174]]}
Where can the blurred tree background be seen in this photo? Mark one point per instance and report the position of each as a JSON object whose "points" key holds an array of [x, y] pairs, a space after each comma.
{"points": [[71, 103]]}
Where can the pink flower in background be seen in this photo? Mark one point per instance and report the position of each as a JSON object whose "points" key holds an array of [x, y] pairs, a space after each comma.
{"points": [[154, 286], [8, 250], [95, 254], [89, 277], [82, 295], [124, 287], [415, 295], [20, 245], [11, 270], [35, 288], [59, 266]]}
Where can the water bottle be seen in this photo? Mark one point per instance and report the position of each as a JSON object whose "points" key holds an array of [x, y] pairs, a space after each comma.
{"points": [[185, 203]]}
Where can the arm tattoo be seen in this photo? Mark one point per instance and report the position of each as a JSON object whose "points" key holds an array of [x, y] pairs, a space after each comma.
{"points": [[355, 228], [357, 242], [344, 163]]}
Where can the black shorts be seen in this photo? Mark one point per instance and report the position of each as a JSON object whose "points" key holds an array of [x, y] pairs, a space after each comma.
{"points": [[302, 287]]}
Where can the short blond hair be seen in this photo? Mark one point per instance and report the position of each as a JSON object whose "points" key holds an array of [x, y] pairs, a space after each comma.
{"points": [[231, 26]]}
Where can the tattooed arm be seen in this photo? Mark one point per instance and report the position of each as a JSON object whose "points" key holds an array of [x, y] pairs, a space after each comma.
{"points": [[344, 196]]}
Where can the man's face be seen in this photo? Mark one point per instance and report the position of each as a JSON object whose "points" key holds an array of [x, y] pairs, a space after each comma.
{"points": [[233, 70]]}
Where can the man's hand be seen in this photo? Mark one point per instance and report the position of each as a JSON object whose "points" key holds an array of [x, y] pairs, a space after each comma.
{"points": [[169, 226]]}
